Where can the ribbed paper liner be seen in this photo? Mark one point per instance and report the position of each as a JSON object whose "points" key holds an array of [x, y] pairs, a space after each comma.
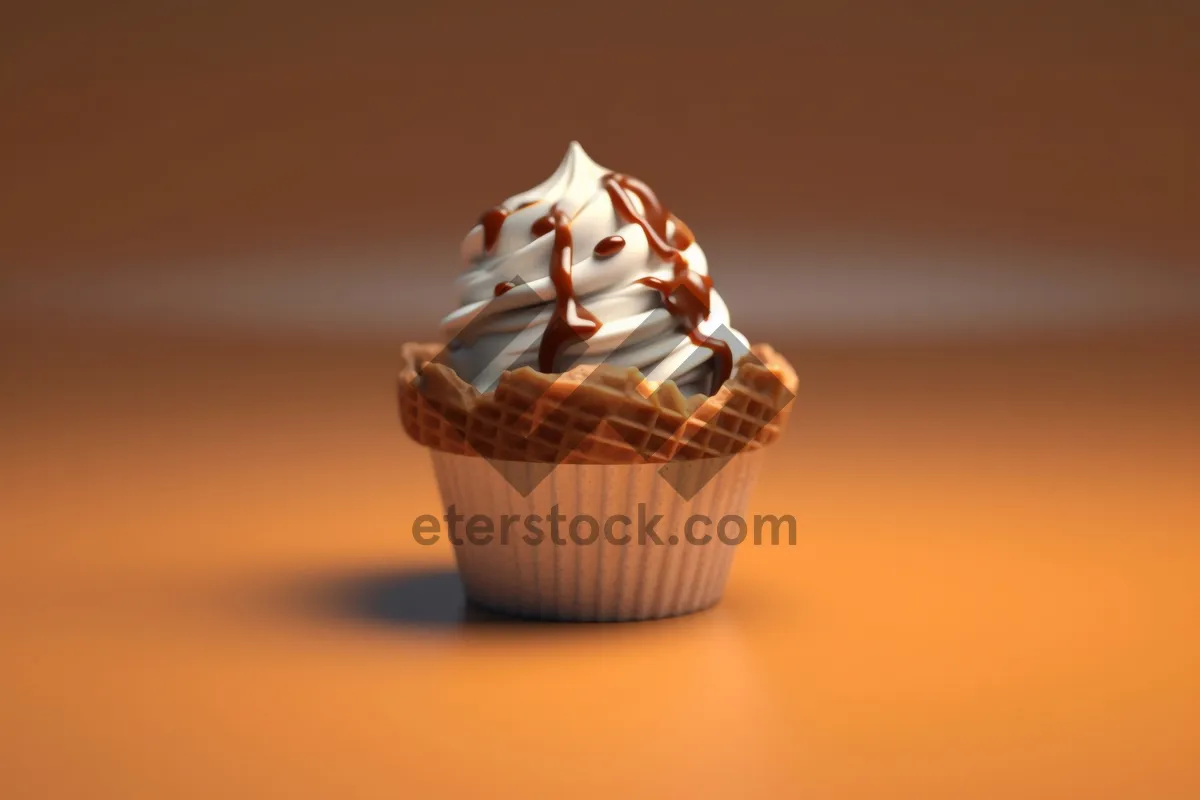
{"points": [[601, 580]]}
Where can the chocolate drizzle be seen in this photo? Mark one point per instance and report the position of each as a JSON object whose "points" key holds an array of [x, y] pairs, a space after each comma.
{"points": [[687, 295], [569, 321], [492, 221], [694, 303], [609, 246]]}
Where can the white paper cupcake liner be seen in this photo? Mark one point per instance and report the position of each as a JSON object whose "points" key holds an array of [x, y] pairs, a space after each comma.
{"points": [[601, 580]]}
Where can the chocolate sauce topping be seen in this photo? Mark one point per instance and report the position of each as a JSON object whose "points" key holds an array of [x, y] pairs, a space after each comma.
{"points": [[609, 246], [569, 321], [492, 220], [687, 295], [694, 302]]}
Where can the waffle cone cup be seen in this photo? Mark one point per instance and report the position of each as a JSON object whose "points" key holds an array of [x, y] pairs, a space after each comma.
{"points": [[564, 475]]}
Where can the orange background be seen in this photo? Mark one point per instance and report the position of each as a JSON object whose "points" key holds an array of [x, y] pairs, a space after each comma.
{"points": [[973, 233]]}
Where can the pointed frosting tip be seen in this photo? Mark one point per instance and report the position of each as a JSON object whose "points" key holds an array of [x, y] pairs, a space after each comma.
{"points": [[577, 155], [580, 164]]}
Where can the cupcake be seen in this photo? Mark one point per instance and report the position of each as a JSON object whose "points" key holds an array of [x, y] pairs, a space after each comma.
{"points": [[595, 422]]}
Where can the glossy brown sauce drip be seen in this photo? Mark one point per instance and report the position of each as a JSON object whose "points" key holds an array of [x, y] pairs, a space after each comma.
{"points": [[695, 303], [492, 221], [609, 246], [570, 320]]}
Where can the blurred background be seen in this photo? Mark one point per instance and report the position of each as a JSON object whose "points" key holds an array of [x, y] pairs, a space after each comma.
{"points": [[860, 169], [971, 226]]}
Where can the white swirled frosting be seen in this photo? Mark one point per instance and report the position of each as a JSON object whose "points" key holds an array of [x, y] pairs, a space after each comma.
{"points": [[508, 294]]}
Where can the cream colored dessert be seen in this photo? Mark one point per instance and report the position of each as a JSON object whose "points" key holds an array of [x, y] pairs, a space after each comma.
{"points": [[592, 256], [591, 375]]}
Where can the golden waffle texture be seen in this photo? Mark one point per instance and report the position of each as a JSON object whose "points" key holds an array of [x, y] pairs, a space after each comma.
{"points": [[592, 414]]}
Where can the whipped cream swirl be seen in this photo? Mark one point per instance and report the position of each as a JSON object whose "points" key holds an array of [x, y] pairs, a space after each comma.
{"points": [[584, 268]]}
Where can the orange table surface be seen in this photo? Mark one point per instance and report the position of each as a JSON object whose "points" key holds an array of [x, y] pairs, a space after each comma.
{"points": [[209, 588]]}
